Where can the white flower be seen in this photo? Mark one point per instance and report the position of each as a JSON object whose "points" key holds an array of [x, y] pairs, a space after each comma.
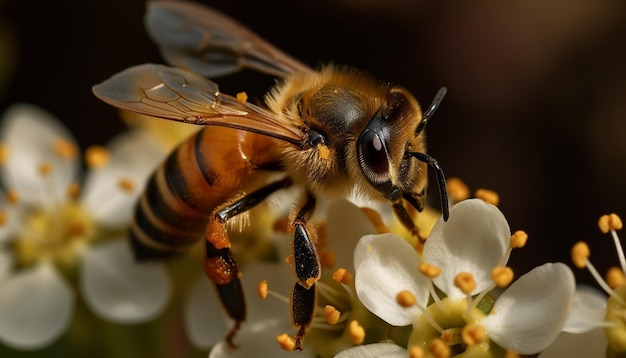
{"points": [[525, 318], [55, 228]]}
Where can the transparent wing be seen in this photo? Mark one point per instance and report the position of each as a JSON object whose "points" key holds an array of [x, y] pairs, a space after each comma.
{"points": [[209, 43], [180, 95]]}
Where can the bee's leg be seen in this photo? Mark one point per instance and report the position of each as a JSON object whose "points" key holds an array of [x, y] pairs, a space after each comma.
{"points": [[307, 266], [219, 264], [402, 214]]}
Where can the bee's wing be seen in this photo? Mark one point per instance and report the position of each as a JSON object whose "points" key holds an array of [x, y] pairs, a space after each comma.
{"points": [[180, 95], [209, 43]]}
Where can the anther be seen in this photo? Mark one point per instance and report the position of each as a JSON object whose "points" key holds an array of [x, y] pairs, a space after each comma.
{"points": [[457, 190], [580, 253], [473, 334], [332, 314], [518, 239], [242, 97], [13, 197], [488, 196], [615, 277], [3, 218], [609, 222], [341, 275], [464, 281], [416, 352], [126, 184], [96, 156], [357, 332], [261, 289], [45, 169], [502, 276], [406, 299], [429, 270], [4, 153], [65, 149], [439, 348], [286, 342], [374, 217]]}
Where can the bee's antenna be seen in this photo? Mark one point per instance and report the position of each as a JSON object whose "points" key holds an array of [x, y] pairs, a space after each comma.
{"points": [[441, 179], [431, 109]]}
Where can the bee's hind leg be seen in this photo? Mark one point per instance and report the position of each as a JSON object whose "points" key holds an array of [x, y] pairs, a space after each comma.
{"points": [[219, 263]]}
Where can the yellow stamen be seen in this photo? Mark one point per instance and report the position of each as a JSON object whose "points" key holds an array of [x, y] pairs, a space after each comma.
{"points": [[331, 314], [489, 196], [580, 253], [45, 169], [13, 197], [96, 156], [286, 342], [341, 275], [261, 289], [406, 299], [429, 270], [439, 348], [457, 190], [374, 217], [518, 239], [242, 97], [502, 276], [416, 352], [73, 190], [65, 149], [464, 281], [615, 222], [615, 277], [473, 334], [603, 224], [609, 222], [357, 332], [126, 184]]}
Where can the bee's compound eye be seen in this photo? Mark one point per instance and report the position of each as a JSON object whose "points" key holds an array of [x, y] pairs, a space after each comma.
{"points": [[373, 156]]}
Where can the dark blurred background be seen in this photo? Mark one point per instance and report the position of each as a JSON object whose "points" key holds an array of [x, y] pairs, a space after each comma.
{"points": [[536, 103]]}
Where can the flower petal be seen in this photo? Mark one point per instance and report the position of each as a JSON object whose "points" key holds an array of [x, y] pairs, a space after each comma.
{"points": [[30, 135], [531, 313], [588, 310], [474, 239], [388, 267], [387, 350], [133, 157], [36, 306], [119, 289], [592, 343]]}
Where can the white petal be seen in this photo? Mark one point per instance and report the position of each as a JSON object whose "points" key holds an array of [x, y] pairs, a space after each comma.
{"points": [[588, 310], [205, 320], [36, 306], [134, 157], [345, 225], [119, 289], [29, 134], [585, 345], [388, 267], [474, 240], [531, 313], [387, 350]]}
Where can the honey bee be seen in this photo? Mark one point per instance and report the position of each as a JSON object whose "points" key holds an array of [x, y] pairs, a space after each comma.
{"points": [[328, 132]]}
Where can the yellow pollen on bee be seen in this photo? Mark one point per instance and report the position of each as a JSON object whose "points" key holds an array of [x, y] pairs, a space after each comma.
{"points": [[609, 222], [502, 276], [615, 277], [374, 217], [488, 196], [328, 259], [73, 190], [580, 253], [438, 348], [429, 270], [406, 299], [357, 332], [416, 352], [324, 151], [65, 149], [126, 184], [96, 156], [286, 342], [457, 190], [242, 97], [331, 314], [45, 169], [13, 197], [261, 289], [341, 275], [464, 281], [473, 334], [4, 153], [518, 239]]}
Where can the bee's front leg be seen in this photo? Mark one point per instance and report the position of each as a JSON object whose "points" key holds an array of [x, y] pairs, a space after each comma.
{"points": [[308, 270]]}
